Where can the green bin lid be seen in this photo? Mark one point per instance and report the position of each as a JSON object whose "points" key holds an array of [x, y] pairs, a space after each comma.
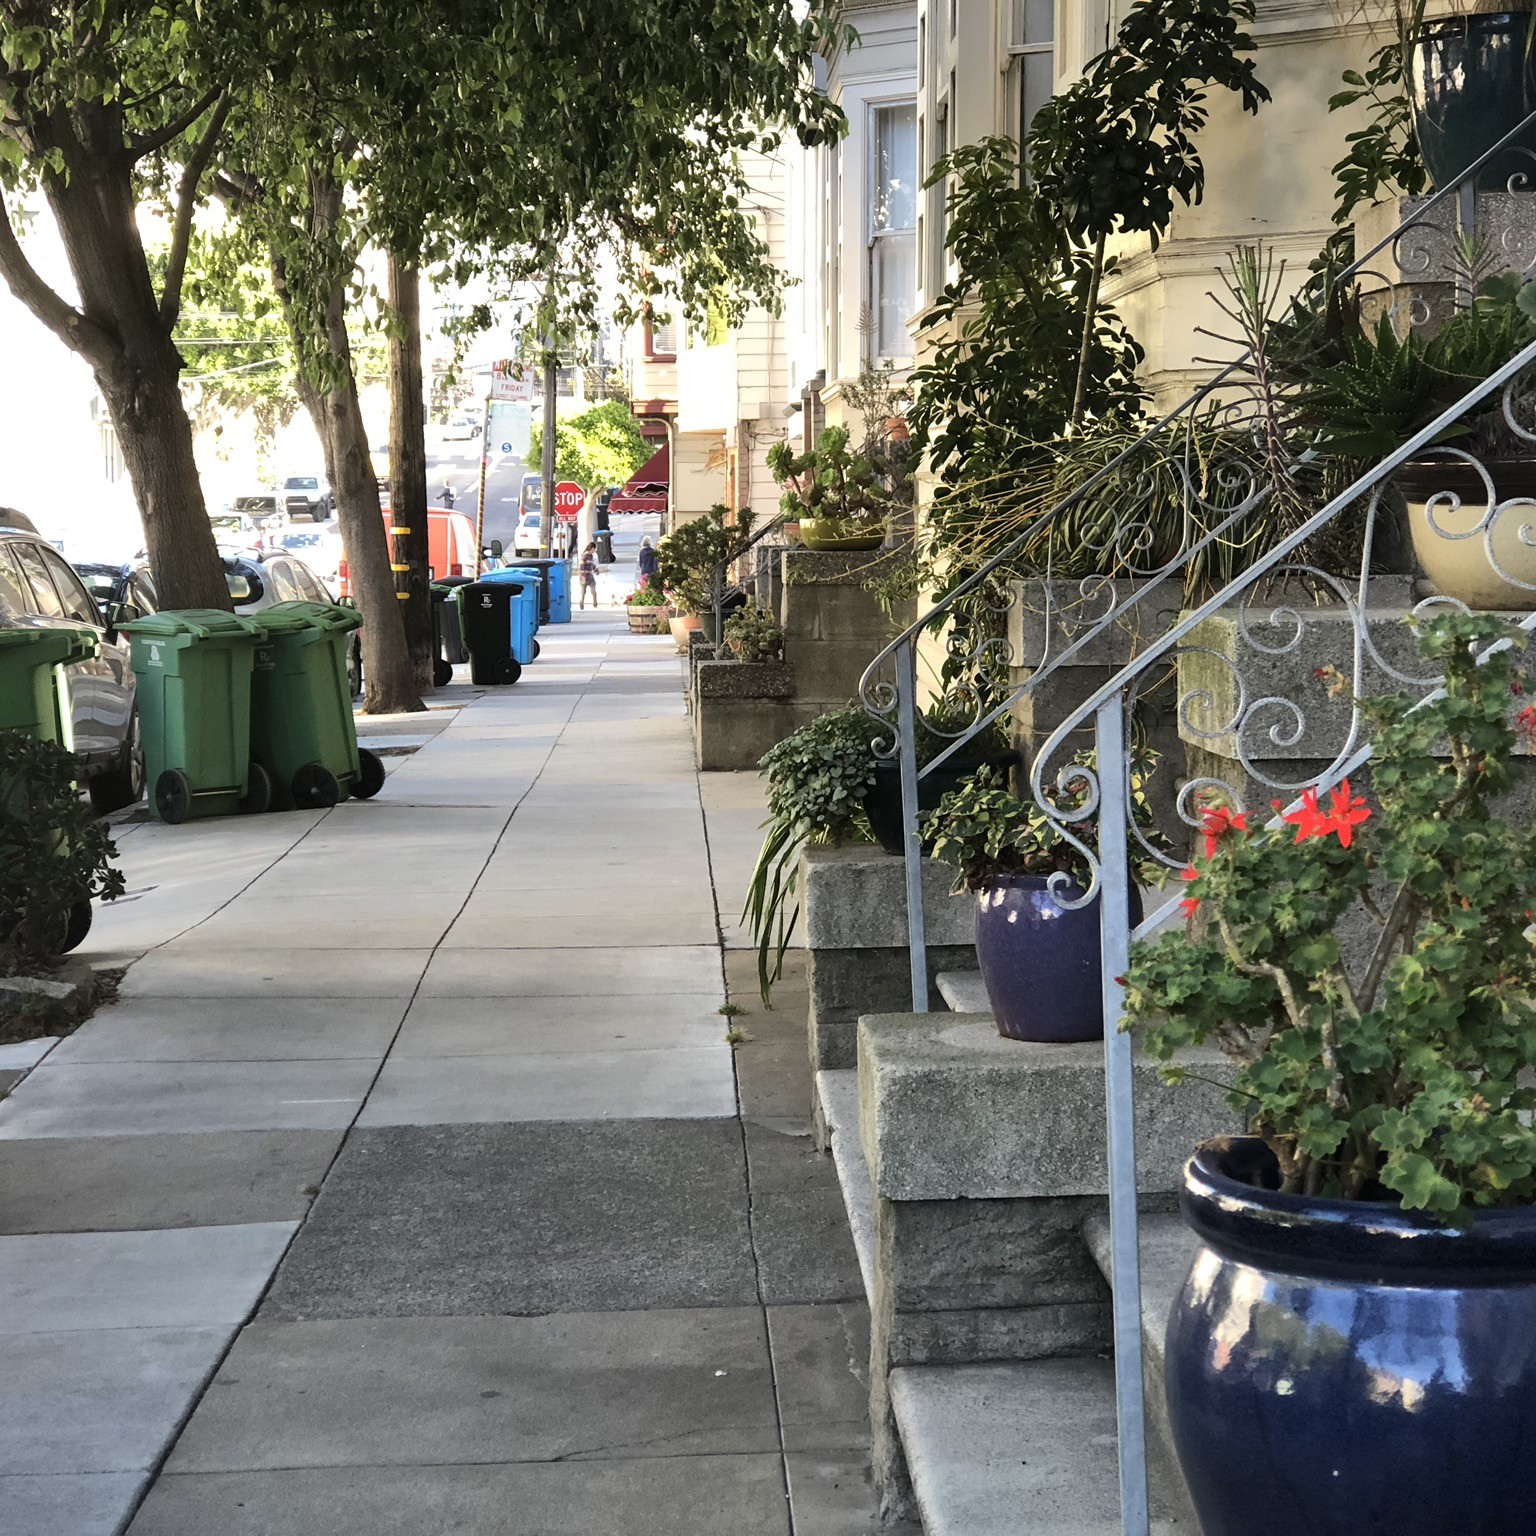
{"points": [[193, 624], [287, 618], [63, 643]]}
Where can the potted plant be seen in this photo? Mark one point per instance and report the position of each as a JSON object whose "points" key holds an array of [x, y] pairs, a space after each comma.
{"points": [[646, 608], [817, 780], [1355, 1346], [1037, 939], [937, 728], [1471, 81], [692, 563], [1369, 389], [752, 633], [841, 499]]}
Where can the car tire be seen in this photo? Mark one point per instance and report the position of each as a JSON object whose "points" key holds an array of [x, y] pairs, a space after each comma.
{"points": [[173, 797], [371, 775], [442, 673], [315, 788], [122, 784], [319, 514]]}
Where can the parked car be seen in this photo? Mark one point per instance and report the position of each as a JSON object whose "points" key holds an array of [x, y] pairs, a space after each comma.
{"points": [[309, 496], [257, 579], [234, 528], [464, 426], [319, 549], [130, 584], [525, 538], [39, 590]]}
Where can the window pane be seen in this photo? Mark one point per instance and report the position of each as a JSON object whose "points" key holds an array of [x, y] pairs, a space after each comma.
{"points": [[13, 597], [1034, 21], [32, 567], [77, 601], [663, 336], [1037, 74], [895, 289], [893, 199]]}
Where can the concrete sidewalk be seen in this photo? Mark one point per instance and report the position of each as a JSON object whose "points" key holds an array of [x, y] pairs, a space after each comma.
{"points": [[411, 1185]]}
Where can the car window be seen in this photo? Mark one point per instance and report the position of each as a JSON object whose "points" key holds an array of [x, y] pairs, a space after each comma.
{"points": [[77, 601], [15, 596], [309, 585], [142, 594], [280, 576], [44, 595]]}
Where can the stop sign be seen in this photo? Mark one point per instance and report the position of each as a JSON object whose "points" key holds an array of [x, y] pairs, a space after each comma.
{"points": [[569, 500]]}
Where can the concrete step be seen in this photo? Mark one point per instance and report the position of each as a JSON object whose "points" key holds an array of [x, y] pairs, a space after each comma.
{"points": [[1167, 1246], [1023, 1448], [964, 991], [839, 1095]]}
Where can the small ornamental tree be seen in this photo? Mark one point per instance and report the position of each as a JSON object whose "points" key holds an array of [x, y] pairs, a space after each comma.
{"points": [[1406, 1073], [600, 446]]}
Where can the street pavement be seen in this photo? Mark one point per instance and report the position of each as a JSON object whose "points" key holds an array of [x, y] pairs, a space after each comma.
{"points": [[411, 1185]]}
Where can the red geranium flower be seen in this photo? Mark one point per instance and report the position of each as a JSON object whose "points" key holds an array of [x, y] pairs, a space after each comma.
{"points": [[1216, 822], [1344, 812], [1191, 904], [1525, 722]]}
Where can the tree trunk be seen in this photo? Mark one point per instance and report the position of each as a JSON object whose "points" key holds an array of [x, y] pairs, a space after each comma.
{"points": [[1090, 315], [120, 330], [143, 398], [408, 470]]}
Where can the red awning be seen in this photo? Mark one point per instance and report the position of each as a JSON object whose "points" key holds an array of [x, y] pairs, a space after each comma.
{"points": [[646, 490]]}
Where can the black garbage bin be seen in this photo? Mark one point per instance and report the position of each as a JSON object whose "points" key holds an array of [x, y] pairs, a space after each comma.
{"points": [[485, 615], [605, 554], [445, 619]]}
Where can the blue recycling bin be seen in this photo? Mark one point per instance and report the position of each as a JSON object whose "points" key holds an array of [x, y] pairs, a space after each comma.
{"points": [[555, 606], [524, 610]]}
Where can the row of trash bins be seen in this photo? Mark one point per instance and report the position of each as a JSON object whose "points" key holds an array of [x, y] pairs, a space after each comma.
{"points": [[493, 620], [235, 714]]}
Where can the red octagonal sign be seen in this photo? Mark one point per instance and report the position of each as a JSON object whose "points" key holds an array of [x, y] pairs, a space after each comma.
{"points": [[569, 500]]}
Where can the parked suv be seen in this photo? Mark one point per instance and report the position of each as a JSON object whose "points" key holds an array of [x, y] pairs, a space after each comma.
{"points": [[39, 590], [307, 494]]}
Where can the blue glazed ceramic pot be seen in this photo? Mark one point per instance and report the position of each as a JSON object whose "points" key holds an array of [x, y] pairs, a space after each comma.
{"points": [[1340, 1368], [1040, 961]]}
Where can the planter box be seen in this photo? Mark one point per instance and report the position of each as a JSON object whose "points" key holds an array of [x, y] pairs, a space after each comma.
{"points": [[740, 710], [646, 621]]}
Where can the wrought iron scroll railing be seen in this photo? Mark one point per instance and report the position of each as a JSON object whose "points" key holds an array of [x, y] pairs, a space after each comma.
{"points": [[1135, 619]]}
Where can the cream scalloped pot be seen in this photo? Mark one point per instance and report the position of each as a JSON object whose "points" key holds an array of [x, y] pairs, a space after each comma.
{"points": [[1461, 567]]}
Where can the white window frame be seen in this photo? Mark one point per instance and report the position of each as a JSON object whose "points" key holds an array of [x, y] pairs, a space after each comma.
{"points": [[872, 107]]}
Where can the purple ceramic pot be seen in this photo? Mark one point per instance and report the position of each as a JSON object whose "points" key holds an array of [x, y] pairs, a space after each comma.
{"points": [[1040, 961]]}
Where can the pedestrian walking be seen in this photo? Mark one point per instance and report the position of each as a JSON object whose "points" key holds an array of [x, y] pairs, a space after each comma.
{"points": [[648, 563], [449, 496], [587, 570]]}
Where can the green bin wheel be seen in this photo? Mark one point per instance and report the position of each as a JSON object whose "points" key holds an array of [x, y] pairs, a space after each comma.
{"points": [[78, 926], [173, 796], [535, 650], [258, 791], [508, 670], [315, 788], [442, 673], [371, 780]]}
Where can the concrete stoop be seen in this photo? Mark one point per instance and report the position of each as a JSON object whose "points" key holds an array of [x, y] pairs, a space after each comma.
{"points": [[982, 1238]]}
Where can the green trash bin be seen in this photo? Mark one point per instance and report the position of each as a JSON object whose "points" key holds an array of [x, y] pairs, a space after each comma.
{"points": [[302, 729], [34, 694], [194, 671]]}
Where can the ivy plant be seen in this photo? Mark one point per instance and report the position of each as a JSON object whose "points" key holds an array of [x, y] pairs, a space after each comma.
{"points": [[1408, 1071]]}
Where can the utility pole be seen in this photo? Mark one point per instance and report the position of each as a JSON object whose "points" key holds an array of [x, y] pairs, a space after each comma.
{"points": [[547, 465]]}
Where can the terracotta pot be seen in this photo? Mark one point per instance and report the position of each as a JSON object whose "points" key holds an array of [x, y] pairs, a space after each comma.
{"points": [[682, 626], [1453, 545], [825, 533]]}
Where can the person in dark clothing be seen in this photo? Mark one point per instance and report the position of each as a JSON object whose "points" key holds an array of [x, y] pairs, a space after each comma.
{"points": [[648, 564], [449, 495]]}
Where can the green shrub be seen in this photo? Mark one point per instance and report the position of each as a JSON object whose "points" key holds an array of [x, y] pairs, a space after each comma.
{"points": [[753, 634], [54, 854]]}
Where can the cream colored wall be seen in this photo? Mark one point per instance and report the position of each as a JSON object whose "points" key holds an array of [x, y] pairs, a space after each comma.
{"points": [[698, 473]]}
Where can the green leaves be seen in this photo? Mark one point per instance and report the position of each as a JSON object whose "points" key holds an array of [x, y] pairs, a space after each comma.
{"points": [[1407, 1067]]}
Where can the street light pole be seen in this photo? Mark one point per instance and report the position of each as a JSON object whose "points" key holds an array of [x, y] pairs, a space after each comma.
{"points": [[547, 456]]}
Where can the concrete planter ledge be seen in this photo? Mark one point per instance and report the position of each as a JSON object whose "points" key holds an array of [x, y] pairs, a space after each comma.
{"points": [[744, 679], [949, 1110]]}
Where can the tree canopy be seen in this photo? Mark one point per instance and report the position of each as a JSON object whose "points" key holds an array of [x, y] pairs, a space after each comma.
{"points": [[601, 446]]}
